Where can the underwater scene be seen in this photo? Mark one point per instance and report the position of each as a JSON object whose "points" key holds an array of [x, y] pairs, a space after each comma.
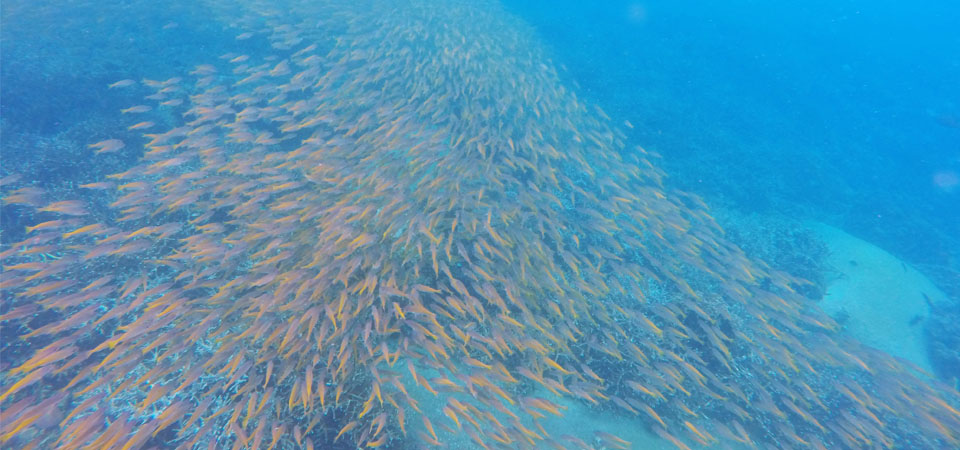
{"points": [[479, 224]]}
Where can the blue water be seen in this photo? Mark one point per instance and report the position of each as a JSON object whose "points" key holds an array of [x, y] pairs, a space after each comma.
{"points": [[846, 113], [837, 111]]}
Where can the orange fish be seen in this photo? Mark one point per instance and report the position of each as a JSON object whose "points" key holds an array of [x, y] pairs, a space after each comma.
{"points": [[107, 146], [141, 125]]}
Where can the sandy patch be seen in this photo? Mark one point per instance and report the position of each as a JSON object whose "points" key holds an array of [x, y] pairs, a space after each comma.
{"points": [[880, 300]]}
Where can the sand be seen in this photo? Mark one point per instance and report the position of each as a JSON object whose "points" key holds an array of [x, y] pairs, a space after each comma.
{"points": [[879, 299]]}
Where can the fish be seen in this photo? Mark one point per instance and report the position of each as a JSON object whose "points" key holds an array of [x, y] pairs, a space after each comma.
{"points": [[107, 146], [136, 109], [122, 84], [66, 207], [141, 125], [429, 189]]}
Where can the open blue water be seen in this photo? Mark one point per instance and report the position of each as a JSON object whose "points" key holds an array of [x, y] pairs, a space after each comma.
{"points": [[847, 112]]}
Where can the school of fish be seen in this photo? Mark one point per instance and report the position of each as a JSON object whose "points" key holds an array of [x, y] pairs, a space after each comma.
{"points": [[402, 202]]}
